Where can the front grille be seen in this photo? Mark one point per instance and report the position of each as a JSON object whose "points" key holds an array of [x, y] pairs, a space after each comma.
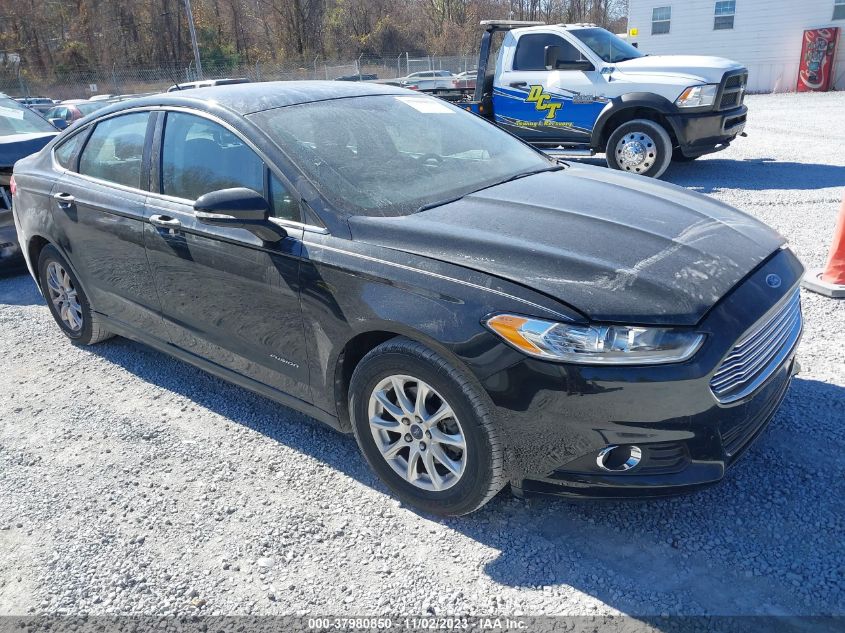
{"points": [[733, 90], [735, 438], [730, 100], [759, 352]]}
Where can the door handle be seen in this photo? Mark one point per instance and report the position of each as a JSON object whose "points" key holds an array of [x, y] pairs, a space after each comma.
{"points": [[65, 200], [518, 84], [165, 222]]}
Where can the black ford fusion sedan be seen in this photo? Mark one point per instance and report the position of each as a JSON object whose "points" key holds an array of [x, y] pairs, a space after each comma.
{"points": [[475, 313]]}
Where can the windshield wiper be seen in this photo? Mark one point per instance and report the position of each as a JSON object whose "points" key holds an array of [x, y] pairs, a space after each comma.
{"points": [[525, 174], [439, 203]]}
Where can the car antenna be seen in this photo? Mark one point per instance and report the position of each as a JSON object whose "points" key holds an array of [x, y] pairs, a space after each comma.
{"points": [[173, 79]]}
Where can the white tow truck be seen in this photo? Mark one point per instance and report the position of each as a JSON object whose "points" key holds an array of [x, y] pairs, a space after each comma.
{"points": [[571, 89]]}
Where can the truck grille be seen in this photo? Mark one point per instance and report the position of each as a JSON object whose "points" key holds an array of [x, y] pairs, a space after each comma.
{"points": [[733, 90], [759, 352]]}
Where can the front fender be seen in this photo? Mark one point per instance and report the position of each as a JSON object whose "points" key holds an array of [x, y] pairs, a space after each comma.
{"points": [[350, 288], [630, 101]]}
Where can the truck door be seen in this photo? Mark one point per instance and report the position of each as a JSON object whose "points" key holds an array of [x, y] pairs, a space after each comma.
{"points": [[546, 106]]}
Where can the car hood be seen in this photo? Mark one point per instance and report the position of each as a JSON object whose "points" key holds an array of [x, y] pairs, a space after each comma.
{"points": [[13, 147], [698, 67], [617, 248]]}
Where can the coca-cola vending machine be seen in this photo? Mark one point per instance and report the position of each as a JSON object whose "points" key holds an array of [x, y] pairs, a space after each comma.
{"points": [[817, 57]]}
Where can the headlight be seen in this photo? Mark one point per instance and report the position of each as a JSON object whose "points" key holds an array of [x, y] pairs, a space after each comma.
{"points": [[596, 344], [698, 96]]}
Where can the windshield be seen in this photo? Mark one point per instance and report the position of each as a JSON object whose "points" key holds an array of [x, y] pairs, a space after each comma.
{"points": [[16, 119], [393, 154], [606, 45]]}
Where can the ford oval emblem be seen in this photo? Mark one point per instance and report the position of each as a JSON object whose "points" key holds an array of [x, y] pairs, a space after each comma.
{"points": [[773, 281]]}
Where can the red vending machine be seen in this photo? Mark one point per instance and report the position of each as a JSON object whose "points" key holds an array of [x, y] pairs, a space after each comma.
{"points": [[817, 57]]}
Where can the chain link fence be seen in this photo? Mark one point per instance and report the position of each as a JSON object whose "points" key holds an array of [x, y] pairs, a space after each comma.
{"points": [[16, 81]]}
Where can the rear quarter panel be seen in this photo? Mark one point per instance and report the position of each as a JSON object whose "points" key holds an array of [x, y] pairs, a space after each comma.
{"points": [[32, 205]]}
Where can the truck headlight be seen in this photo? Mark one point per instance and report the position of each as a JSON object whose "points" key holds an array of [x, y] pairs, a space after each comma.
{"points": [[698, 96], [596, 344]]}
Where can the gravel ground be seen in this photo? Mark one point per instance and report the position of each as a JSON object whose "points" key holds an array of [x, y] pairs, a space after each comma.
{"points": [[132, 483]]}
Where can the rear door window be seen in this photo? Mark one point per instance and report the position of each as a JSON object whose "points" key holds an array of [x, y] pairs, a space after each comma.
{"points": [[66, 152], [115, 150]]}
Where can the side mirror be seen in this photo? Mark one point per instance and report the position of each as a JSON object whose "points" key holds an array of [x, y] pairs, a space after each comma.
{"points": [[59, 124], [238, 208], [554, 62]]}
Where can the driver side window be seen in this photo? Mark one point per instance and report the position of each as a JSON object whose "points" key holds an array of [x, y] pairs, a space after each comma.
{"points": [[199, 156], [531, 51]]}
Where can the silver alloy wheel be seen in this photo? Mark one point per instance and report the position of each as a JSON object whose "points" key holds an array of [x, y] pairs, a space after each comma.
{"points": [[64, 297], [417, 433], [636, 152]]}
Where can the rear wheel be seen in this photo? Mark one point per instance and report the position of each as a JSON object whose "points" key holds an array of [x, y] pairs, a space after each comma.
{"points": [[426, 429], [68, 303], [640, 147]]}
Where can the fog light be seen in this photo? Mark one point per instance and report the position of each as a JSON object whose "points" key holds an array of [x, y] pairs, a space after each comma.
{"points": [[618, 459]]}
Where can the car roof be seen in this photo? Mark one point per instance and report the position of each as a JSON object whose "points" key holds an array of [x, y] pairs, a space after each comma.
{"points": [[255, 97]]}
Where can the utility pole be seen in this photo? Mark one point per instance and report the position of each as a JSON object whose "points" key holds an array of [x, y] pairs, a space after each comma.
{"points": [[193, 31]]}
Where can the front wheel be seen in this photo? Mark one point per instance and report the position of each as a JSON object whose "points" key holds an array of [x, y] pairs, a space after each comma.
{"points": [[426, 429], [640, 147]]}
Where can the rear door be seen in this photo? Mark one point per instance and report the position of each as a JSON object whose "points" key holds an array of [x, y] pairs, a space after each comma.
{"points": [[543, 105], [98, 205], [227, 296]]}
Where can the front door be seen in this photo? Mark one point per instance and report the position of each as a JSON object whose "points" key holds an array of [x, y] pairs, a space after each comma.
{"points": [[542, 105], [227, 296]]}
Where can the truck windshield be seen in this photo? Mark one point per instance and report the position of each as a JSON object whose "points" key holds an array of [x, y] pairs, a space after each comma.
{"points": [[606, 45], [391, 155]]}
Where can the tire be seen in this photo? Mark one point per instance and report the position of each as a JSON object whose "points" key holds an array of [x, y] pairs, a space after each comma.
{"points": [[652, 148], [476, 472], [67, 301]]}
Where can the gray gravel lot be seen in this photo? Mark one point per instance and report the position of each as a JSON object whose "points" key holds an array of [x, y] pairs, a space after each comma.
{"points": [[133, 483]]}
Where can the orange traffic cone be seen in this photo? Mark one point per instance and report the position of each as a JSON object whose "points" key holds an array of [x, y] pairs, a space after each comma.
{"points": [[830, 281]]}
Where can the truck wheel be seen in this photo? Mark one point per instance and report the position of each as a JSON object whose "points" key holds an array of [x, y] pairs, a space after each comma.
{"points": [[640, 147]]}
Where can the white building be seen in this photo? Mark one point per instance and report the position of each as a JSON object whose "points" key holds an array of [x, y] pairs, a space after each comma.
{"points": [[764, 35]]}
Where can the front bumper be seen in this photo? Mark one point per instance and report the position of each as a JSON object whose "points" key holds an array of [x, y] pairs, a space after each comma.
{"points": [[560, 417], [708, 132]]}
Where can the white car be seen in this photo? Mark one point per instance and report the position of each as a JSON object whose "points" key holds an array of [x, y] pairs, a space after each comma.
{"points": [[435, 81], [207, 83]]}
